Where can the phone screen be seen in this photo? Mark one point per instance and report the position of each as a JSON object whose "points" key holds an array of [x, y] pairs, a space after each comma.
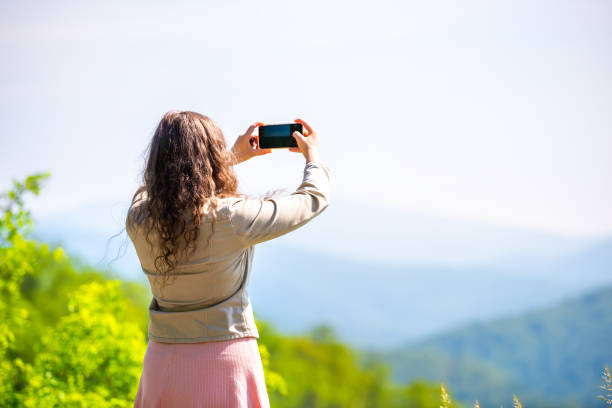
{"points": [[276, 136]]}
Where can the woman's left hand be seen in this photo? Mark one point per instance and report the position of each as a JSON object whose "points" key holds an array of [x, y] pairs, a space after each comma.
{"points": [[247, 145]]}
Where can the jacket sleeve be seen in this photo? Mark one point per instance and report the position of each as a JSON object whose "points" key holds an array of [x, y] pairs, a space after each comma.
{"points": [[259, 220]]}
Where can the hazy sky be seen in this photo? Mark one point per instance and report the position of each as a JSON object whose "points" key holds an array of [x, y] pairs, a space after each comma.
{"points": [[491, 110]]}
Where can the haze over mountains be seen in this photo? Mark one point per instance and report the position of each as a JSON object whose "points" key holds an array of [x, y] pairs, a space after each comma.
{"points": [[380, 277]]}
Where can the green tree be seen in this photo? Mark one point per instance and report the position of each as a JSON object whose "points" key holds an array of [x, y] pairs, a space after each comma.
{"points": [[320, 371], [18, 257], [85, 354], [92, 357]]}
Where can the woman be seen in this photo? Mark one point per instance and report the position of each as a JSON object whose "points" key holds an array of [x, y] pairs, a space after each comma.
{"points": [[194, 235]]}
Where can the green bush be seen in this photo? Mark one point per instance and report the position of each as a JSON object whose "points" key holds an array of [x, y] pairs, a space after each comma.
{"points": [[92, 357]]}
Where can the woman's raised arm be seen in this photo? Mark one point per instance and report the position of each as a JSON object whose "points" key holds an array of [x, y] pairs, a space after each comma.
{"points": [[259, 220]]}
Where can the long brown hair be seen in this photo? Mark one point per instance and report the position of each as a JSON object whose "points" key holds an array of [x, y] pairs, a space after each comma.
{"points": [[187, 169]]}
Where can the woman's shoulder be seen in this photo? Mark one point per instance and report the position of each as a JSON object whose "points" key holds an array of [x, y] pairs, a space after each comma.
{"points": [[137, 206], [237, 206], [223, 209], [136, 215], [227, 205]]}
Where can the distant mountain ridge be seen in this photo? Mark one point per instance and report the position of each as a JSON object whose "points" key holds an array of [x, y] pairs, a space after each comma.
{"points": [[551, 357]]}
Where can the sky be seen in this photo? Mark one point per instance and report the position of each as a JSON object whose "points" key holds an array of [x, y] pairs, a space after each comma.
{"points": [[498, 112]]}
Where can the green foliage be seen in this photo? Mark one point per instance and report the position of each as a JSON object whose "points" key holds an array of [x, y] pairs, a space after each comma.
{"points": [[319, 371], [18, 257], [274, 381], [416, 394], [92, 357], [63, 342], [15, 219]]}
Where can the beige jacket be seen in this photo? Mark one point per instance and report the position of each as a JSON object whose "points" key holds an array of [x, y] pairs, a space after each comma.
{"points": [[206, 299]]}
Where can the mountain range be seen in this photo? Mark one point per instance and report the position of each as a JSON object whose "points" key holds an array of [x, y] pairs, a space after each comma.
{"points": [[552, 357]]}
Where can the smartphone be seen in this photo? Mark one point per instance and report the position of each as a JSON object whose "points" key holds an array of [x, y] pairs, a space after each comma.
{"points": [[277, 136]]}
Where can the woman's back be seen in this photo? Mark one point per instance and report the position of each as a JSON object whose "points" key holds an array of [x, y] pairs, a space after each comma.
{"points": [[213, 272], [209, 287]]}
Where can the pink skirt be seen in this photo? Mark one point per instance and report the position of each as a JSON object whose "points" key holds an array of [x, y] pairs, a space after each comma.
{"points": [[212, 374]]}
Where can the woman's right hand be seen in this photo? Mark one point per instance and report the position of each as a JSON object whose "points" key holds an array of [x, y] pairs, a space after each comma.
{"points": [[247, 145], [308, 143]]}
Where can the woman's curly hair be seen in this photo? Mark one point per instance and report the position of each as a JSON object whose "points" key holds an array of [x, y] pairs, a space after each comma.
{"points": [[187, 169]]}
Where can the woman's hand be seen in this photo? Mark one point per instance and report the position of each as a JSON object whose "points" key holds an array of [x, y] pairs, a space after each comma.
{"points": [[308, 143], [247, 145]]}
